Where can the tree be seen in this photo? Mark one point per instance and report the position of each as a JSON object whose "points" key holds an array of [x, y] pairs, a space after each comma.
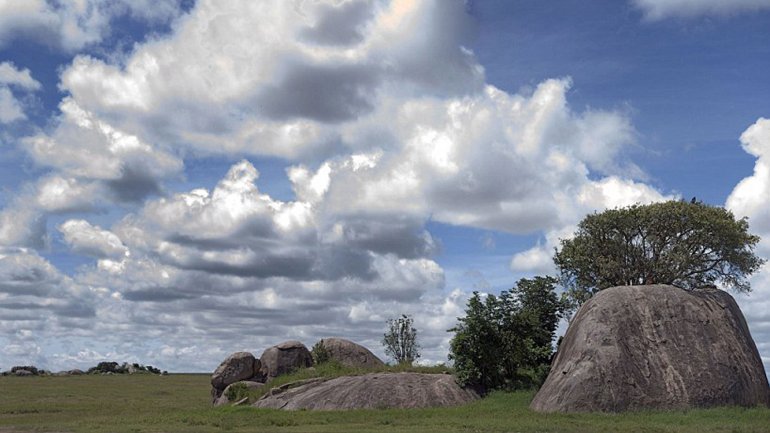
{"points": [[319, 353], [685, 244], [505, 342], [400, 340]]}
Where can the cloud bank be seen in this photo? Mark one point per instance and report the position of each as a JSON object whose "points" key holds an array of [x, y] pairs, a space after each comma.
{"points": [[386, 124]]}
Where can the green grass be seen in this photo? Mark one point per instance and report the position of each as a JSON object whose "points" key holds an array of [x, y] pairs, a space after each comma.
{"points": [[180, 403]]}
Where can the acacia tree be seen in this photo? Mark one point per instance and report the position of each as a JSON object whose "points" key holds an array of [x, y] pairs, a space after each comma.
{"points": [[505, 341], [400, 340], [685, 244]]}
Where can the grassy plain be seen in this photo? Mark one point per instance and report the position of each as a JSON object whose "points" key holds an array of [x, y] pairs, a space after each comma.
{"points": [[180, 403]]}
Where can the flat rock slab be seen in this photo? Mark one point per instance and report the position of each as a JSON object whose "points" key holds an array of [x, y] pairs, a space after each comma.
{"points": [[655, 347], [371, 391]]}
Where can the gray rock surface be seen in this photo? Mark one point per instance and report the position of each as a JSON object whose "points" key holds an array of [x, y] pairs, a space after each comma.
{"points": [[372, 391], [284, 358], [238, 366], [350, 354], [655, 347]]}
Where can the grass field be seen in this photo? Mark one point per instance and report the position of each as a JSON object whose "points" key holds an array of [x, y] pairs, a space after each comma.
{"points": [[180, 403]]}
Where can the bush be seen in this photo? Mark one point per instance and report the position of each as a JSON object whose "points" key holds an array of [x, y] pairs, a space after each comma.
{"points": [[505, 342], [320, 353]]}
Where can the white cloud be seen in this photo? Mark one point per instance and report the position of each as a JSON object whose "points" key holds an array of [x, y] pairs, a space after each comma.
{"points": [[751, 199], [22, 225], [72, 25], [84, 148], [515, 163], [12, 76], [264, 87], [10, 108], [661, 9], [387, 122], [66, 194], [91, 240]]}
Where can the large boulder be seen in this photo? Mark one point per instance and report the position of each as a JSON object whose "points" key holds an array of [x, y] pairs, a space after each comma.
{"points": [[655, 347], [369, 391], [285, 358], [238, 366], [350, 354]]}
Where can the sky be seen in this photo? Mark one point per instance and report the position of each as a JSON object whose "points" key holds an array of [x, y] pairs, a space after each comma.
{"points": [[180, 180]]}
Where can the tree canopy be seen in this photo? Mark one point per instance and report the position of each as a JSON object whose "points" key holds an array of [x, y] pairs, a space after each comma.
{"points": [[685, 244], [505, 342]]}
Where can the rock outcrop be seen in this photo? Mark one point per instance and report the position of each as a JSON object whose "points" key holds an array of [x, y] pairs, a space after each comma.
{"points": [[369, 391], [236, 367], [350, 354], [285, 358], [655, 347]]}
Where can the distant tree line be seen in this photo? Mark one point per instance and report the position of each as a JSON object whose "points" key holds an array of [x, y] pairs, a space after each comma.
{"points": [[106, 367]]}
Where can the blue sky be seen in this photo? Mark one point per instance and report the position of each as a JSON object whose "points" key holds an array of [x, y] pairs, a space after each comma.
{"points": [[182, 180]]}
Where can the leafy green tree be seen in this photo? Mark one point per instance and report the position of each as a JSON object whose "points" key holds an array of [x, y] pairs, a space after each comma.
{"points": [[685, 244], [505, 342], [400, 340]]}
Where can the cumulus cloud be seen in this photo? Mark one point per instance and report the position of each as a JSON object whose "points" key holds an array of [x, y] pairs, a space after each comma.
{"points": [[84, 148], [387, 124], [12, 76], [235, 230], [751, 199], [11, 108], [91, 240], [661, 9], [340, 24], [514, 163], [57, 194], [22, 225], [37, 302], [72, 25], [284, 97]]}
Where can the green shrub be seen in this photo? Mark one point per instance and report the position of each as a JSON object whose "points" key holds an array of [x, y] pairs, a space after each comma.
{"points": [[504, 342], [320, 353]]}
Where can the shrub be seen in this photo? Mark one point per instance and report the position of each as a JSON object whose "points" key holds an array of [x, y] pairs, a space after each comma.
{"points": [[320, 353], [505, 342]]}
